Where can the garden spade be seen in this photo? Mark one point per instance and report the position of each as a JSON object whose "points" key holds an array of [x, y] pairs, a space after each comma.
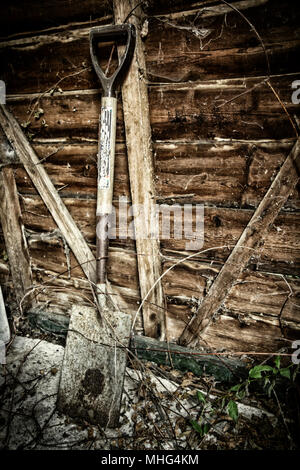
{"points": [[94, 362]]}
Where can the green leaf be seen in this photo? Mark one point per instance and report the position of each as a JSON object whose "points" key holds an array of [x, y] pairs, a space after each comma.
{"points": [[256, 371], [201, 397], [285, 372], [197, 427], [233, 410], [206, 428], [241, 394], [235, 388], [277, 362]]}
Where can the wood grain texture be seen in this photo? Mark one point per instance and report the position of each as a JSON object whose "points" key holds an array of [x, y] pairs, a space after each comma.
{"points": [[15, 241], [260, 304], [244, 108], [222, 229], [233, 108], [48, 192], [207, 47], [17, 17], [141, 175], [185, 286], [221, 173], [207, 8], [219, 138], [231, 174], [250, 239]]}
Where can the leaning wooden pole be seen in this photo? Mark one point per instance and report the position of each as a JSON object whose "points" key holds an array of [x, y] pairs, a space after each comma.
{"points": [[251, 240], [48, 193], [25, 154], [141, 173]]}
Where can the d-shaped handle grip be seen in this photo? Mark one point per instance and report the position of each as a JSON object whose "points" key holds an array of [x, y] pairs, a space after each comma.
{"points": [[106, 34]]}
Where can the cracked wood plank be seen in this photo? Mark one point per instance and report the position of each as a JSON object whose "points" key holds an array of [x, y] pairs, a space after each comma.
{"points": [[222, 173], [141, 176], [17, 18], [223, 227], [208, 48], [13, 231], [243, 108], [251, 239]]}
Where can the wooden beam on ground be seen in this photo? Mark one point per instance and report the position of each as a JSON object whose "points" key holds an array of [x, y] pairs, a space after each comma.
{"points": [[13, 231], [224, 369], [249, 244], [141, 174], [48, 193]]}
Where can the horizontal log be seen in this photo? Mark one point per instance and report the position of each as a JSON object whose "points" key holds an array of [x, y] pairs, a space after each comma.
{"points": [[73, 170], [121, 268], [233, 333], [148, 349], [48, 193], [69, 114], [219, 172], [222, 228], [179, 8], [187, 360], [57, 292], [239, 109], [209, 46], [254, 293], [252, 238], [207, 49], [185, 285], [51, 61], [235, 174], [234, 108], [17, 17], [260, 311]]}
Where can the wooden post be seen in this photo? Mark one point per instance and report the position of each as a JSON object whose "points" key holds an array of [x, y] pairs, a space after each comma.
{"points": [[141, 174], [13, 231], [249, 243]]}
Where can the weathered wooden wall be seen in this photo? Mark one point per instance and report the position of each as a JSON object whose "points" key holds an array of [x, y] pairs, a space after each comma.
{"points": [[220, 133]]}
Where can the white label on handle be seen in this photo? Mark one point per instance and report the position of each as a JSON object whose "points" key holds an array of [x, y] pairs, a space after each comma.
{"points": [[105, 147]]}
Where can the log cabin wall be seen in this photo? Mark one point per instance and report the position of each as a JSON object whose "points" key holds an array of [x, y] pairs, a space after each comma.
{"points": [[222, 121]]}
